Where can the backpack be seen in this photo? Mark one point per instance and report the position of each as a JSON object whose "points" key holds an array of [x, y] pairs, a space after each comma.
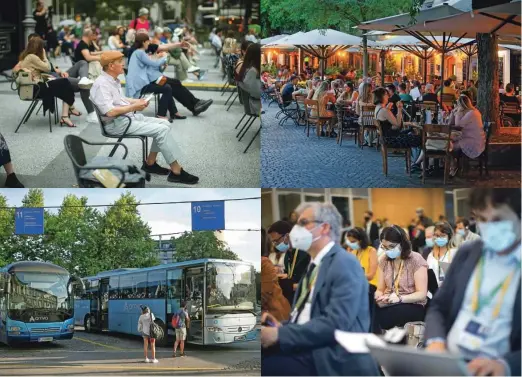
{"points": [[155, 331], [177, 321]]}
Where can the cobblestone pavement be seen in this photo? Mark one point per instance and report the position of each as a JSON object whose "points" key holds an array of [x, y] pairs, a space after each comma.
{"points": [[108, 353], [289, 159]]}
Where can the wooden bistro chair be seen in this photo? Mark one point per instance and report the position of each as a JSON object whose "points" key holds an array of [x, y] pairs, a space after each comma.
{"points": [[346, 124], [367, 123], [483, 160], [299, 100], [317, 121], [395, 152], [436, 132], [447, 101]]}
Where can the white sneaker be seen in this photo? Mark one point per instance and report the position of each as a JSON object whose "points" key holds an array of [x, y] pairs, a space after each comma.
{"points": [[155, 361], [85, 83], [193, 69], [92, 118], [147, 360]]}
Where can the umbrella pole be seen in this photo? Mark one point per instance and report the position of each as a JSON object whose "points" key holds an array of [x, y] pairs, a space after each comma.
{"points": [[442, 66], [425, 58], [383, 55], [468, 74]]}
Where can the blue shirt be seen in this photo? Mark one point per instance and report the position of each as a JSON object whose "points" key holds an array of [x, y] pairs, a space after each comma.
{"points": [[497, 343], [142, 71], [287, 92]]}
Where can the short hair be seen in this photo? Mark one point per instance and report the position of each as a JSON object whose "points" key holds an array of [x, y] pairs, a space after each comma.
{"points": [[447, 82], [391, 87], [140, 40], [360, 235], [369, 213], [325, 213], [509, 88], [397, 235], [464, 221], [402, 86], [378, 95], [87, 32], [480, 198], [444, 227], [281, 227]]}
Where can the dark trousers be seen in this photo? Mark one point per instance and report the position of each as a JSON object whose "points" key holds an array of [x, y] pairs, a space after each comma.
{"points": [[166, 101], [398, 315], [182, 94], [276, 363]]}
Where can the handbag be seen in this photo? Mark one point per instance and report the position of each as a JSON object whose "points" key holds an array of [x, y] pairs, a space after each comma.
{"points": [[26, 85], [155, 331]]}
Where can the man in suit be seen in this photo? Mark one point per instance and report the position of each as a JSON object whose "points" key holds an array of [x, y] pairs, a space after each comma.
{"points": [[463, 231], [296, 261], [372, 229], [476, 312], [333, 295]]}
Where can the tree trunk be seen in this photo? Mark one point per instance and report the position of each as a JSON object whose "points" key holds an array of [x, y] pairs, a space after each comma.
{"points": [[248, 15], [365, 56], [488, 95]]}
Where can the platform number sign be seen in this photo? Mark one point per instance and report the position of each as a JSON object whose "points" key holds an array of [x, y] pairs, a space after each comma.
{"points": [[29, 221], [208, 215]]}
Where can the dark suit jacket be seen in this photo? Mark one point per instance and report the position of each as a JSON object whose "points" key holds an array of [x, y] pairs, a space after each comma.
{"points": [[301, 263], [339, 302], [446, 304], [374, 232]]}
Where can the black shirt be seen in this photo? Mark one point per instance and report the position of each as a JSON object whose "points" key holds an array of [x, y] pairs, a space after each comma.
{"points": [[394, 99], [78, 56], [509, 99]]}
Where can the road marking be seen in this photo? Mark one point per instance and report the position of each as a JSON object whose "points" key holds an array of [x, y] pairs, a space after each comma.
{"points": [[100, 344], [92, 366]]}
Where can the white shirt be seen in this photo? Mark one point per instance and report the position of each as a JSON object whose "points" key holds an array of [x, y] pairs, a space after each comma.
{"points": [[415, 93], [106, 94], [216, 42], [144, 323], [433, 263], [304, 317], [368, 228]]}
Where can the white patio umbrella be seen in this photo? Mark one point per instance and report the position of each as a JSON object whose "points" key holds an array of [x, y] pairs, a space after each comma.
{"points": [[283, 41], [272, 39]]}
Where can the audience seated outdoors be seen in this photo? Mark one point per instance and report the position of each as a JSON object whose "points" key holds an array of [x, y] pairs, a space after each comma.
{"points": [[86, 51], [106, 95]]}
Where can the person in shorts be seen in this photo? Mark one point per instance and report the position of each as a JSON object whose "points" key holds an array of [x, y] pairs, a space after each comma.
{"points": [[183, 322], [144, 323]]}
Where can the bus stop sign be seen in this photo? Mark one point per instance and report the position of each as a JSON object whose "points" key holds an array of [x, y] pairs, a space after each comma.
{"points": [[29, 221], [208, 215]]}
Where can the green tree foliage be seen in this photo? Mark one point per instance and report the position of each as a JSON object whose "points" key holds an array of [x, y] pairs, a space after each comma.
{"points": [[196, 245]]}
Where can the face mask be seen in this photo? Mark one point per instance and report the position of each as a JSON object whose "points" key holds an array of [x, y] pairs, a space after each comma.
{"points": [[429, 242], [393, 253], [353, 245], [441, 241], [497, 235], [302, 238], [282, 247], [461, 232]]}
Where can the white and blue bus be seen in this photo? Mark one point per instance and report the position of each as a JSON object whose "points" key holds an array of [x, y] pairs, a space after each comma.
{"points": [[220, 296], [36, 303]]}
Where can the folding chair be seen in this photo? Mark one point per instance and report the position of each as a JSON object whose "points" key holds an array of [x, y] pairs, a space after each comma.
{"points": [[34, 102]]}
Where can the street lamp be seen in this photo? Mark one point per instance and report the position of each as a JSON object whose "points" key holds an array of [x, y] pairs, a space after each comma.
{"points": [[29, 22]]}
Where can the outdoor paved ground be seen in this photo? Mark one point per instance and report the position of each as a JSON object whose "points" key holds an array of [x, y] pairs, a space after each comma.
{"points": [[210, 148], [289, 159], [117, 354]]}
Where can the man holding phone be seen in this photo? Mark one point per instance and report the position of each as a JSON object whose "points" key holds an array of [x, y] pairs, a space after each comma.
{"points": [[106, 95]]}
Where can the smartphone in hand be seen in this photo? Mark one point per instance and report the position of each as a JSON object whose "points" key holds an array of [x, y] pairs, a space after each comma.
{"points": [[149, 97]]}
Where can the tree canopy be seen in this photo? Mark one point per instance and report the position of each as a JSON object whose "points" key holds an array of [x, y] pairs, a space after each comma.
{"points": [[196, 245]]}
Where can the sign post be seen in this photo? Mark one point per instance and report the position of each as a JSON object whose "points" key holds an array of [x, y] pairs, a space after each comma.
{"points": [[208, 215], [29, 221]]}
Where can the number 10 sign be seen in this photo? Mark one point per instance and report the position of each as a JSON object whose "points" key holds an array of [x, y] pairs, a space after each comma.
{"points": [[208, 215]]}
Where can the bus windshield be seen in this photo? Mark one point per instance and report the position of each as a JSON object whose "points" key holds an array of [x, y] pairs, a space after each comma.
{"points": [[34, 293], [230, 288]]}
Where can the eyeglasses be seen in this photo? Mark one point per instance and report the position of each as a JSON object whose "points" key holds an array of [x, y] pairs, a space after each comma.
{"points": [[279, 240], [389, 247], [305, 222]]}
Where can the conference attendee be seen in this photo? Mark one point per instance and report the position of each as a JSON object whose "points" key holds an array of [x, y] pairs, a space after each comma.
{"points": [[372, 229], [358, 244], [441, 250], [332, 296], [475, 315], [272, 299], [5, 161], [347, 226], [402, 281], [106, 95], [429, 94], [463, 232], [429, 241], [423, 218]]}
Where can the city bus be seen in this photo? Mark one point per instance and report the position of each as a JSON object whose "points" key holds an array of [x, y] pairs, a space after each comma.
{"points": [[36, 303], [220, 296]]}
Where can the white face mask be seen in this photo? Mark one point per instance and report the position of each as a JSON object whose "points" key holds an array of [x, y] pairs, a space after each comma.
{"points": [[302, 238], [497, 235]]}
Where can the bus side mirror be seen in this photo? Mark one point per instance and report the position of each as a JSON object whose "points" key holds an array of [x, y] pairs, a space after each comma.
{"points": [[76, 281]]}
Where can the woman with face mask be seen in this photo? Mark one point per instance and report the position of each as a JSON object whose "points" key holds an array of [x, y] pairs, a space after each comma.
{"points": [[402, 281], [441, 250], [359, 245]]}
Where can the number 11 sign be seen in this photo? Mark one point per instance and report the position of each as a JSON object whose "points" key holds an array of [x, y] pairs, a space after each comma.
{"points": [[208, 215]]}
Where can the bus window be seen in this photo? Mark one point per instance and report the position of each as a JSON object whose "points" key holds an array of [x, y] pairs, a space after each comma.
{"points": [[175, 284], [125, 286], [139, 285], [156, 284], [113, 287]]}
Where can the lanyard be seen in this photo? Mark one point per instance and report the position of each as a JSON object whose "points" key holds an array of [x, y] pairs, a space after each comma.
{"points": [[477, 303], [306, 288], [291, 273], [439, 259], [396, 278]]}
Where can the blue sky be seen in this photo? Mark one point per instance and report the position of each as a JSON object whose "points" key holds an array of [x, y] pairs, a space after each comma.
{"points": [[176, 217]]}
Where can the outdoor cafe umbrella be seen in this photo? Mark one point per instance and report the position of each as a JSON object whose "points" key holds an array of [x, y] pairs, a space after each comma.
{"points": [[272, 39]]}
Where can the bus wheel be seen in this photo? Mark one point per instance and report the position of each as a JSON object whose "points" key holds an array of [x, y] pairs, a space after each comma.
{"points": [[87, 323], [162, 341]]}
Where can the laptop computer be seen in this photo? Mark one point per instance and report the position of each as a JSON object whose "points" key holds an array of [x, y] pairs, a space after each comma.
{"points": [[397, 360]]}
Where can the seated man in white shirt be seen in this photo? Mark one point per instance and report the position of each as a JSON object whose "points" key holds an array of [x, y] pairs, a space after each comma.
{"points": [[416, 92], [106, 95]]}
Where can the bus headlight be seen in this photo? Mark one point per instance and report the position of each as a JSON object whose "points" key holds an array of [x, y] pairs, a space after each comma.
{"points": [[215, 329], [70, 328], [14, 329]]}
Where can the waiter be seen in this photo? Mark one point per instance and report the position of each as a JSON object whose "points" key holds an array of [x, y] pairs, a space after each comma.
{"points": [[295, 261]]}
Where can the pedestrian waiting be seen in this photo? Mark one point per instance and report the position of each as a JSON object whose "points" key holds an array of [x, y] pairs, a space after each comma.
{"points": [[144, 322]]}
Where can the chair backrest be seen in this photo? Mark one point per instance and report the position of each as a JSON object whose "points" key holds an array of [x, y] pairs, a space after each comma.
{"points": [[428, 105], [510, 108], [367, 115], [311, 105], [100, 119], [488, 127], [436, 132], [448, 99], [378, 126], [74, 148]]}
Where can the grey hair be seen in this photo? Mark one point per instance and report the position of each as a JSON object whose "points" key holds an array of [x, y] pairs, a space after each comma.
{"points": [[87, 32], [325, 213]]}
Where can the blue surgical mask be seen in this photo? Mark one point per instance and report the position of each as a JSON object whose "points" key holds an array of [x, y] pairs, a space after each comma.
{"points": [[497, 235], [393, 253], [461, 232], [429, 242], [353, 245], [441, 241], [282, 247]]}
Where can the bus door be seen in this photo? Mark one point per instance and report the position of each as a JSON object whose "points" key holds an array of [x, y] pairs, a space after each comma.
{"points": [[174, 293], [4, 290], [103, 304], [193, 294]]}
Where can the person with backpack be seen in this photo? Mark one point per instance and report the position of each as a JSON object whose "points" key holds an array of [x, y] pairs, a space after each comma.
{"points": [[180, 323], [144, 324]]}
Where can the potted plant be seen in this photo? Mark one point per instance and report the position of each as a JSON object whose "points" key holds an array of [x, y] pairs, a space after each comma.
{"points": [[332, 72]]}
